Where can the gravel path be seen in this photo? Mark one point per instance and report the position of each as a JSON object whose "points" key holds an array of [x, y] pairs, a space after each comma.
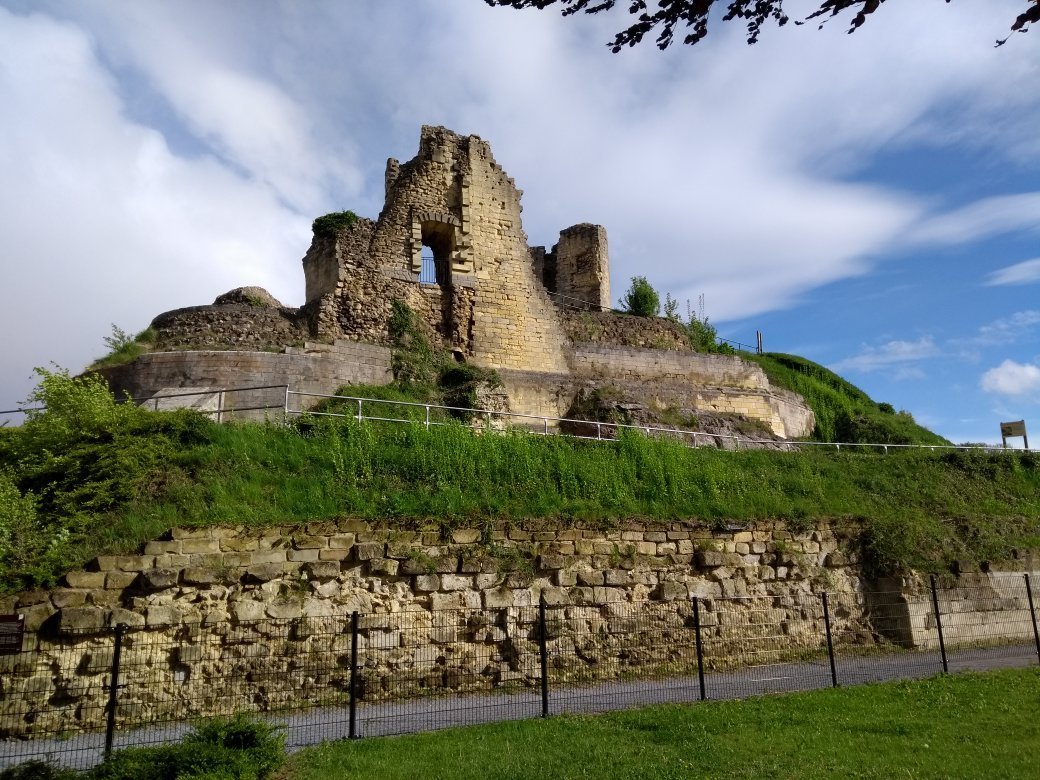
{"points": [[312, 726]]}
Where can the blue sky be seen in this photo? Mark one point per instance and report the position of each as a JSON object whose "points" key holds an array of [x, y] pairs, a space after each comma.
{"points": [[871, 202]]}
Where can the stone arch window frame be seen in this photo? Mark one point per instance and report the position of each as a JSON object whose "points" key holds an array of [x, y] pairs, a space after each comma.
{"points": [[444, 222]]}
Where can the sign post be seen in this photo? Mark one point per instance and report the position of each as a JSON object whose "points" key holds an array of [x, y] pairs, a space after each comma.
{"points": [[12, 628], [1012, 429]]}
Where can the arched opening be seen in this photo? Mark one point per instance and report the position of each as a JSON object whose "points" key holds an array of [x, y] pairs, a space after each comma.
{"points": [[438, 240]]}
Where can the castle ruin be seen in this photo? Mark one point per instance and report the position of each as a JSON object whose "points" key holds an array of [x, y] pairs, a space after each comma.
{"points": [[449, 243]]}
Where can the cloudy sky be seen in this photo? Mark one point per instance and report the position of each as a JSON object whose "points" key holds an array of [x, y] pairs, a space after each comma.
{"points": [[871, 202]]}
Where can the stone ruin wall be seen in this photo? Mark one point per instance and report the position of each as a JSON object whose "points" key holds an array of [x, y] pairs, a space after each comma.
{"points": [[213, 604], [492, 305], [246, 608]]}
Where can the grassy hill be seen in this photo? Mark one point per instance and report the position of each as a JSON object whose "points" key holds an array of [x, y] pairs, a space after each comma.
{"points": [[90, 476], [844, 413]]}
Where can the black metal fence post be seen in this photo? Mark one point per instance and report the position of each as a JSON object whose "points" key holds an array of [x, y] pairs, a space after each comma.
{"points": [[830, 642], [938, 626], [113, 689], [543, 653], [1032, 616], [352, 731], [700, 647]]}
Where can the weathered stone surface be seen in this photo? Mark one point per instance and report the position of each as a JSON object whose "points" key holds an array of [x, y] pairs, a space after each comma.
{"points": [[322, 570], [81, 619], [709, 559], [264, 572], [85, 579], [369, 550], [158, 579]]}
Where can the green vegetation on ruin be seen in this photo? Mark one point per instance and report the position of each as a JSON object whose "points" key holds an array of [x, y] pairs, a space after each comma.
{"points": [[91, 476], [329, 225], [962, 726], [124, 347], [843, 412]]}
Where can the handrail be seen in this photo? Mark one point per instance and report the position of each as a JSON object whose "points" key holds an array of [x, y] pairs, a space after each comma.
{"points": [[543, 421]]}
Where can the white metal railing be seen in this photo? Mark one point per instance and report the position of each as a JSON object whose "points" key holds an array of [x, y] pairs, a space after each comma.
{"points": [[544, 425]]}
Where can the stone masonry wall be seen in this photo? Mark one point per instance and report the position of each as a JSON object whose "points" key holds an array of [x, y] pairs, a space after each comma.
{"points": [[212, 605], [230, 326], [610, 328], [313, 368]]}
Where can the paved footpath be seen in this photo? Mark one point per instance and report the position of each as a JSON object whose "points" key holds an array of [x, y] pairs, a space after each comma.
{"points": [[316, 725]]}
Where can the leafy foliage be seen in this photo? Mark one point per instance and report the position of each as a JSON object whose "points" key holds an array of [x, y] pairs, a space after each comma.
{"points": [[641, 299], [693, 14], [329, 225], [123, 347], [80, 457]]}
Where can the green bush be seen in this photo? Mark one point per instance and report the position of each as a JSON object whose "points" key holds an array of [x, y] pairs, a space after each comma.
{"points": [[329, 225], [38, 770], [238, 748], [78, 458], [641, 299]]}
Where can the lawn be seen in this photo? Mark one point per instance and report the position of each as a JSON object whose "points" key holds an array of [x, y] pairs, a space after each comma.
{"points": [[964, 726]]}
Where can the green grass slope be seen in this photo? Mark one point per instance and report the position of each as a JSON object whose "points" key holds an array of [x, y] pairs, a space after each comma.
{"points": [[844, 413], [90, 476], [962, 726]]}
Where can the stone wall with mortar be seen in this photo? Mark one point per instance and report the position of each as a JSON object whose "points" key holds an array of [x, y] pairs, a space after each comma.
{"points": [[663, 379], [258, 618], [312, 368], [610, 328], [230, 326], [213, 604], [579, 267]]}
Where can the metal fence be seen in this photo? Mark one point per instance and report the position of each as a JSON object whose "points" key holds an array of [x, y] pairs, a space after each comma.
{"points": [[354, 675], [281, 402]]}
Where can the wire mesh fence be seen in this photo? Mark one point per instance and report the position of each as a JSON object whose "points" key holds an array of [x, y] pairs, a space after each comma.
{"points": [[75, 697]]}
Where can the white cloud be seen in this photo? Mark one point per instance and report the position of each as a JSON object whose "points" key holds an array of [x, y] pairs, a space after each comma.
{"points": [[982, 219], [891, 353], [1006, 330], [1011, 378], [1026, 272], [102, 222]]}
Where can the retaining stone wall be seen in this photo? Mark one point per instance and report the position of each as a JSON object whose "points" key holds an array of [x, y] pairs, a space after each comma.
{"points": [[212, 604]]}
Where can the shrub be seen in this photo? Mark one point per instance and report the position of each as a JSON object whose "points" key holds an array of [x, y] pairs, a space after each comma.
{"points": [[238, 748], [329, 225], [38, 770], [641, 299]]}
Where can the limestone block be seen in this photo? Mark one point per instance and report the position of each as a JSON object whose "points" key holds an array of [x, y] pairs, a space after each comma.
{"points": [[81, 619], [247, 611], [309, 542], [465, 535], [565, 578], [671, 591], [284, 610], [85, 579], [200, 576], [427, 583], [333, 555], [366, 551], [307, 555], [68, 597], [268, 556], [157, 579], [385, 566], [162, 616], [322, 570], [126, 617], [709, 559], [264, 572], [549, 561], [450, 582]]}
